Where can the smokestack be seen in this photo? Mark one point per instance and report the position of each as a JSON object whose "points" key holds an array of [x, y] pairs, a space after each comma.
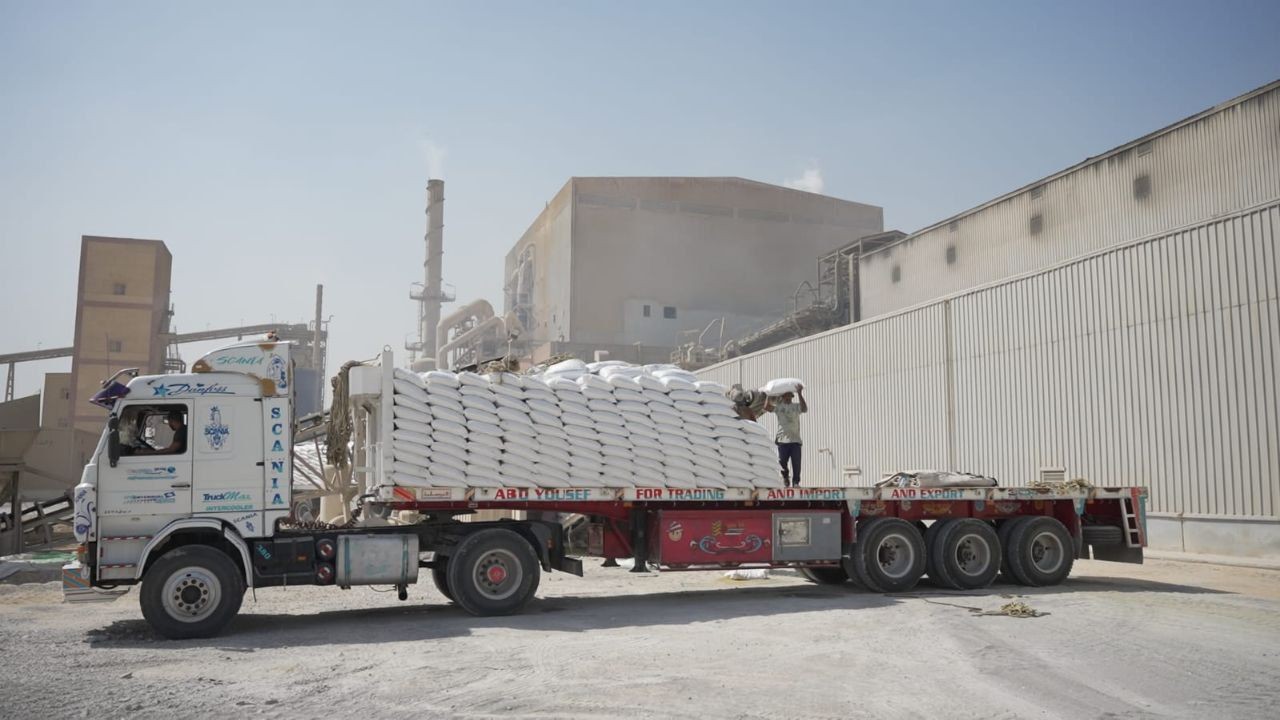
{"points": [[431, 296]]}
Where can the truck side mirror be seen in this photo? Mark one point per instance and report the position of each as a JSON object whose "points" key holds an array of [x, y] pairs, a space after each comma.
{"points": [[113, 439]]}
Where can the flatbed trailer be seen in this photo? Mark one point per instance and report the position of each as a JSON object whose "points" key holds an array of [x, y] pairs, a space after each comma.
{"points": [[197, 530]]}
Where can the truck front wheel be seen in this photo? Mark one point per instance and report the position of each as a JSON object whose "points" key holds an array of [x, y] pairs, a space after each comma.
{"points": [[493, 572], [191, 592]]}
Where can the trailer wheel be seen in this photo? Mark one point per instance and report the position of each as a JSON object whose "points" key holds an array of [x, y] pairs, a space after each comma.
{"points": [[965, 555], [191, 592], [1040, 552], [931, 548], [889, 555], [440, 574], [825, 575], [1003, 531], [493, 572]]}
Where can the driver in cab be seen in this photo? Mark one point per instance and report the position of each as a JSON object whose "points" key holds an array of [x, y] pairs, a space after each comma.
{"points": [[178, 445]]}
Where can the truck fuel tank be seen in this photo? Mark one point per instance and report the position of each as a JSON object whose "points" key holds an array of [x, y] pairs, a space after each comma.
{"points": [[377, 560]]}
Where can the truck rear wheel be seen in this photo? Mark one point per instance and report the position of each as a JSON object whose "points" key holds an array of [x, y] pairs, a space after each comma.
{"points": [[964, 555], [191, 592], [440, 574], [493, 572], [889, 555], [825, 575], [1040, 551]]}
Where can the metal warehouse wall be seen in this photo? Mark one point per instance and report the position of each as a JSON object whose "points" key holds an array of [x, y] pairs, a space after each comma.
{"points": [[1154, 363], [1219, 162]]}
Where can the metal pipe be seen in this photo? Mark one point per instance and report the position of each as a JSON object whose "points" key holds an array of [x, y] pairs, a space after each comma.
{"points": [[479, 310], [474, 333]]}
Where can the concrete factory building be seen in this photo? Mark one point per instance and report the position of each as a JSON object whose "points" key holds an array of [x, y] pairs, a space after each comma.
{"points": [[636, 266], [1118, 321]]}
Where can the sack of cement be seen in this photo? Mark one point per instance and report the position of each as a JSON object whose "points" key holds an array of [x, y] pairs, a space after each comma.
{"points": [[781, 386], [605, 425]]}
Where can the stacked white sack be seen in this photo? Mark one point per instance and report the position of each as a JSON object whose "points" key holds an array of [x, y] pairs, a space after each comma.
{"points": [[604, 425]]}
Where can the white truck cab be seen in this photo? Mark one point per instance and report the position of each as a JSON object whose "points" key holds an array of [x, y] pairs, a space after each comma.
{"points": [[206, 452]]}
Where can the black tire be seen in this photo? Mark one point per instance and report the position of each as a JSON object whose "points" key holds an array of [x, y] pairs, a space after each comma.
{"points": [[493, 572], [930, 536], [1003, 530], [825, 575], [1040, 552], [191, 592], [965, 555], [440, 574], [889, 555], [1103, 535]]}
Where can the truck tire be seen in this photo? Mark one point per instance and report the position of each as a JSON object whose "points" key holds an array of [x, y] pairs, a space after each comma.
{"points": [[825, 575], [191, 592], [930, 536], [1040, 552], [440, 574], [493, 572], [1103, 535], [889, 555], [965, 555], [1003, 530]]}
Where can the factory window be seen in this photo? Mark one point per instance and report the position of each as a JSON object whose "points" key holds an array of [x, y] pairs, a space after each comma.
{"points": [[115, 345], [1037, 191], [954, 225], [647, 311], [1142, 187], [897, 273], [1143, 150], [669, 312], [951, 254], [118, 289], [1037, 224]]}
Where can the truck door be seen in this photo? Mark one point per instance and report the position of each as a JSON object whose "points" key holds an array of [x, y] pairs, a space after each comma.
{"points": [[227, 438], [151, 482]]}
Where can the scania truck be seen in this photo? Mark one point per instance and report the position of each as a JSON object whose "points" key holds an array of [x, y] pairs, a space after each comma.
{"points": [[189, 495]]}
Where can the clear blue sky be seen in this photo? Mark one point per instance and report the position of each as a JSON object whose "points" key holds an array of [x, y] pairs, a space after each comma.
{"points": [[276, 145]]}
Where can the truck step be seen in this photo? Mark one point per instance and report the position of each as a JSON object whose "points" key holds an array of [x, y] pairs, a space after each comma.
{"points": [[125, 538], [116, 566]]}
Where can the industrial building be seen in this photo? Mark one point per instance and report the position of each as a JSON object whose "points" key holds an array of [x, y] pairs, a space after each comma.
{"points": [[1118, 321], [635, 267]]}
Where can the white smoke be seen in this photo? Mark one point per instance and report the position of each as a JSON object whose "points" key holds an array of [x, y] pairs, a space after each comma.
{"points": [[434, 154], [810, 181]]}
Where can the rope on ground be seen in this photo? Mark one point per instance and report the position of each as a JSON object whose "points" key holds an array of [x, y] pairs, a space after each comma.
{"points": [[1017, 608]]}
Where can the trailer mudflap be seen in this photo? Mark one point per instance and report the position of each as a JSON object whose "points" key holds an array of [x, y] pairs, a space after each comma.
{"points": [[569, 565], [1117, 553]]}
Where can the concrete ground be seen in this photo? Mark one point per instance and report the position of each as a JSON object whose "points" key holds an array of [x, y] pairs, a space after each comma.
{"points": [[1168, 639]]}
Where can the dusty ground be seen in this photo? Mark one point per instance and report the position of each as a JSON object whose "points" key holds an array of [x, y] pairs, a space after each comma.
{"points": [[1165, 639]]}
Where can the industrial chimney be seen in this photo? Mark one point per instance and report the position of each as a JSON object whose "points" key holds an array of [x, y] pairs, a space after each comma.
{"points": [[430, 296]]}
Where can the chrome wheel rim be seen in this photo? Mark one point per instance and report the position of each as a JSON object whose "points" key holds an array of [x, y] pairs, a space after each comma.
{"points": [[191, 594], [498, 574], [895, 555], [973, 555], [1047, 552]]}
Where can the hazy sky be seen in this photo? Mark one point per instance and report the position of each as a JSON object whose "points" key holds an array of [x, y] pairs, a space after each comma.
{"points": [[276, 145]]}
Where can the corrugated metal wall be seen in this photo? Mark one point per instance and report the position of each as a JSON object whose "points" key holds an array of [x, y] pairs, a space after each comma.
{"points": [[1154, 363], [1221, 163]]}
